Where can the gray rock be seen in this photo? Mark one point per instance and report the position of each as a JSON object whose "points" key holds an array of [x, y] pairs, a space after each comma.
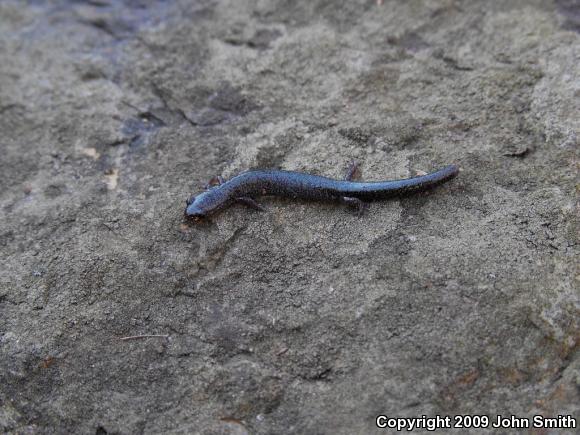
{"points": [[306, 318]]}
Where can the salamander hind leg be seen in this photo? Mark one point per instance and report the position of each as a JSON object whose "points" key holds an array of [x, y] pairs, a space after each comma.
{"points": [[351, 171], [360, 205], [250, 202]]}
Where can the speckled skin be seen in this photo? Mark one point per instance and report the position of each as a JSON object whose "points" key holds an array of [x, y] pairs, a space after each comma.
{"points": [[305, 186]]}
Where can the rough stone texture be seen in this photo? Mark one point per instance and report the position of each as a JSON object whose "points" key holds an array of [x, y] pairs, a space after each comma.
{"points": [[306, 318]]}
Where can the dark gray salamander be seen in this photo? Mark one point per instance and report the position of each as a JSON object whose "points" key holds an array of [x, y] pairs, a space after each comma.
{"points": [[244, 187]]}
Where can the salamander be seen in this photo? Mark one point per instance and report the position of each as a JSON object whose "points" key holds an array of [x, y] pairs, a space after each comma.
{"points": [[245, 187]]}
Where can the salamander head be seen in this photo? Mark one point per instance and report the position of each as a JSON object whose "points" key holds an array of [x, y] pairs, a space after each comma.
{"points": [[202, 205], [193, 212]]}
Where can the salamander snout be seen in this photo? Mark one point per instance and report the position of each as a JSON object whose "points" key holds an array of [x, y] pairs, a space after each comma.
{"points": [[193, 211]]}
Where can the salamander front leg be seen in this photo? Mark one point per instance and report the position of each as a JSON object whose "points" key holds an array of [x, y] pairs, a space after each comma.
{"points": [[250, 202], [214, 181], [360, 205]]}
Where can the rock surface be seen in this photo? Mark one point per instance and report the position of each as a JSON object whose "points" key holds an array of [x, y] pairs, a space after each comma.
{"points": [[306, 318]]}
